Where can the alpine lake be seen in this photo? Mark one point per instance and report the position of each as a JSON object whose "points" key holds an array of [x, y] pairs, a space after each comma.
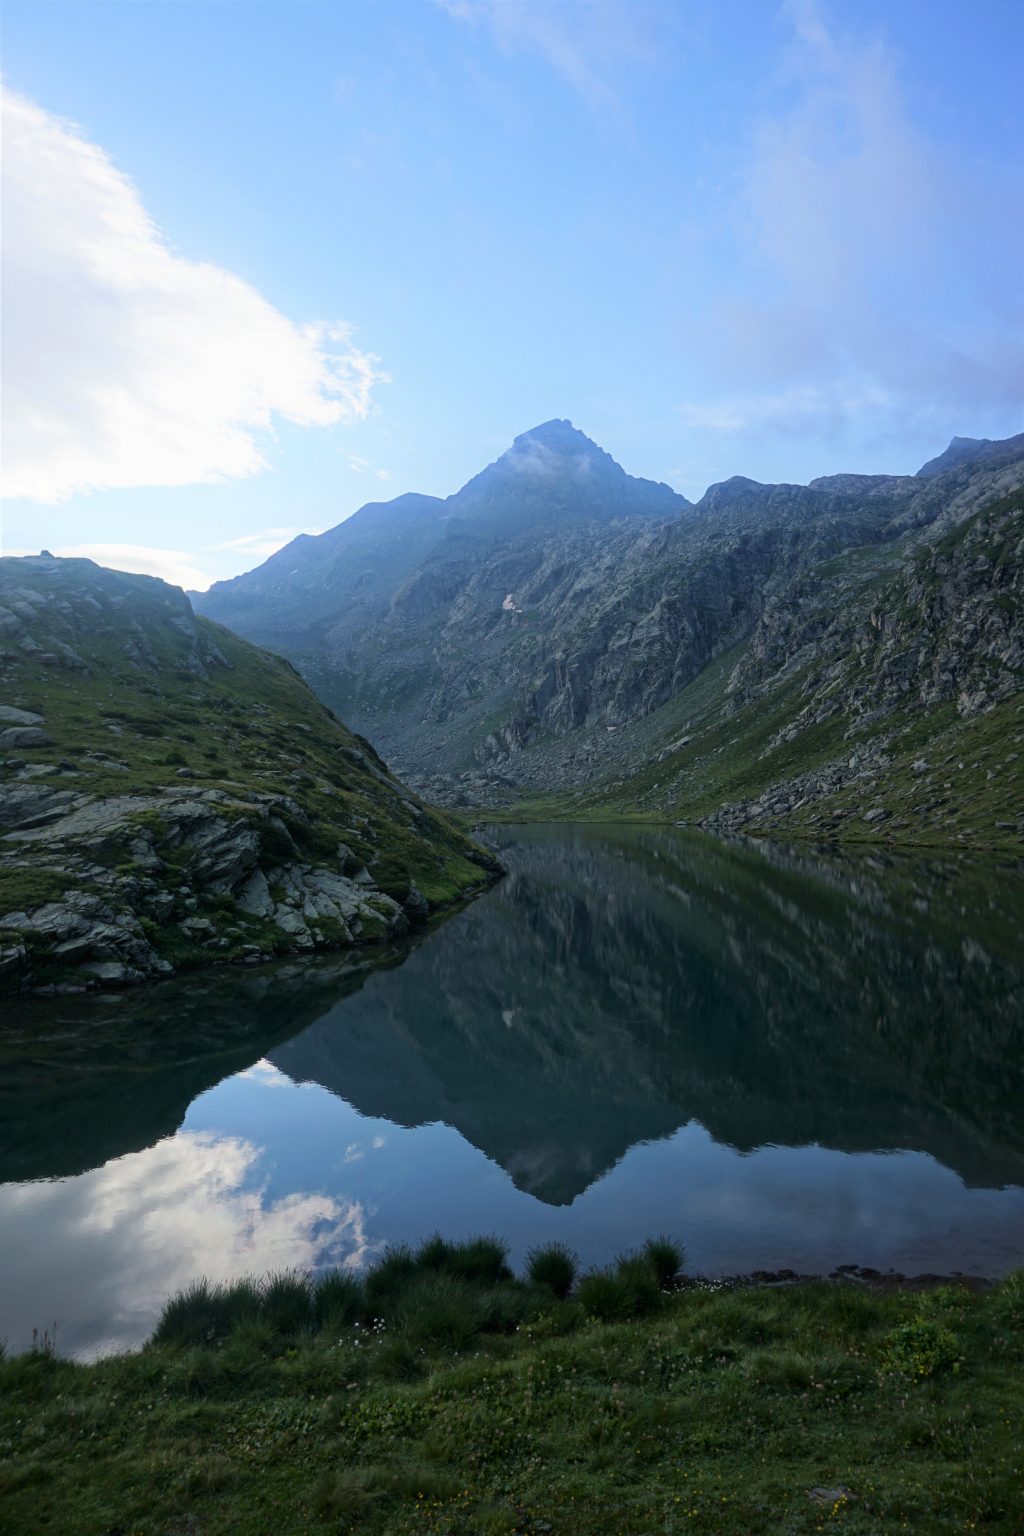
{"points": [[784, 1057]]}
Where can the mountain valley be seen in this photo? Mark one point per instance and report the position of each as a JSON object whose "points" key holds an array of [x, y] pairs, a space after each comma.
{"points": [[842, 659]]}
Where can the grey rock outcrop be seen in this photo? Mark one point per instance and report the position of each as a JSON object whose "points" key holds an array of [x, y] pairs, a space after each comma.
{"points": [[212, 845]]}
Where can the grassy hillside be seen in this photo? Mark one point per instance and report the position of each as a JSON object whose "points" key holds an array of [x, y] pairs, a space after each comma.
{"points": [[440, 1395], [159, 765]]}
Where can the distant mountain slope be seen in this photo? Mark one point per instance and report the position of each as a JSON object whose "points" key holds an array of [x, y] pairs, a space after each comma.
{"points": [[420, 617], [879, 696], [169, 794], [970, 450], [539, 632]]}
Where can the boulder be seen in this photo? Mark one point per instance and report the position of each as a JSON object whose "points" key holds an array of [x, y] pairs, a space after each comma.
{"points": [[11, 716], [24, 736]]}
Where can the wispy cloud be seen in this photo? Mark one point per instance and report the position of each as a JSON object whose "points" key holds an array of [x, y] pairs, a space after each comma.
{"points": [[267, 541], [124, 363], [855, 229], [800, 408], [585, 41], [173, 565], [361, 466]]}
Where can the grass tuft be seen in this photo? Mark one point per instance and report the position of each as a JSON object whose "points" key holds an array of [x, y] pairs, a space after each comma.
{"points": [[666, 1257], [286, 1303], [339, 1299], [638, 1275], [605, 1296], [206, 1314], [386, 1279], [439, 1311], [554, 1265]]}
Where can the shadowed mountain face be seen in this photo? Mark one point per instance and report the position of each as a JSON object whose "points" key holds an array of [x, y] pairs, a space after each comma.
{"points": [[558, 626], [619, 984], [414, 611]]}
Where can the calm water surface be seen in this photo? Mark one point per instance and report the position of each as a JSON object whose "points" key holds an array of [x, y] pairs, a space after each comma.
{"points": [[785, 1058]]}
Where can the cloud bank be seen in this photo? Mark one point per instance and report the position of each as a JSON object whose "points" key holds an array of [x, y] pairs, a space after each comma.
{"points": [[124, 364]]}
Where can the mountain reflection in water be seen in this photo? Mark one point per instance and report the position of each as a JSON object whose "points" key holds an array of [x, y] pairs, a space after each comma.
{"points": [[620, 985]]}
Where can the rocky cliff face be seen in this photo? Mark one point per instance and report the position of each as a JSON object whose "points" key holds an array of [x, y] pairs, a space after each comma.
{"points": [[558, 627], [169, 794]]}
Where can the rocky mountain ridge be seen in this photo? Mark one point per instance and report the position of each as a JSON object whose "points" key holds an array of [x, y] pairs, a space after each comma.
{"points": [[171, 795], [542, 630]]}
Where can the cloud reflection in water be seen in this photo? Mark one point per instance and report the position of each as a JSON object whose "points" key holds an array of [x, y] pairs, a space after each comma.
{"points": [[143, 1225]]}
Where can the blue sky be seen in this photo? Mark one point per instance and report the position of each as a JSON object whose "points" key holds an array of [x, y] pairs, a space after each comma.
{"points": [[268, 262]]}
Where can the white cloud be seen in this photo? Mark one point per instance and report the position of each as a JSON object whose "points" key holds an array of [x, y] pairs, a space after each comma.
{"points": [[173, 565], [124, 363], [265, 542], [877, 276]]}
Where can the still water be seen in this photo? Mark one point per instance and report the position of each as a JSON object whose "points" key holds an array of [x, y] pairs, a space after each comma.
{"points": [[782, 1057]]}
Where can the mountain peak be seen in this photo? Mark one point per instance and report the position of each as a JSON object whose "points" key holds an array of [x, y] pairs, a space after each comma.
{"points": [[960, 451], [553, 471], [552, 446], [557, 433]]}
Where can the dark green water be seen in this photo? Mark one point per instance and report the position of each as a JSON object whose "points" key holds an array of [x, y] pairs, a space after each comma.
{"points": [[782, 1057]]}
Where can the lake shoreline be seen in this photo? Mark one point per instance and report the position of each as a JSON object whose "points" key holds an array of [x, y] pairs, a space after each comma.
{"points": [[529, 813], [196, 962], [862, 1276]]}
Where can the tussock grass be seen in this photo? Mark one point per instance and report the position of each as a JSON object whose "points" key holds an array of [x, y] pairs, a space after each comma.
{"points": [[666, 1257], [480, 1258], [286, 1303], [554, 1266], [388, 1276], [204, 1313], [339, 1299]]}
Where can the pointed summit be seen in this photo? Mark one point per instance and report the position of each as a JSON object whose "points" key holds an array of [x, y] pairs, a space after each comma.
{"points": [[561, 437], [554, 471], [556, 445]]}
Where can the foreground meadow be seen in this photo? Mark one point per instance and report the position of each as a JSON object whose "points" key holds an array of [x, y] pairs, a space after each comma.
{"points": [[440, 1394]]}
